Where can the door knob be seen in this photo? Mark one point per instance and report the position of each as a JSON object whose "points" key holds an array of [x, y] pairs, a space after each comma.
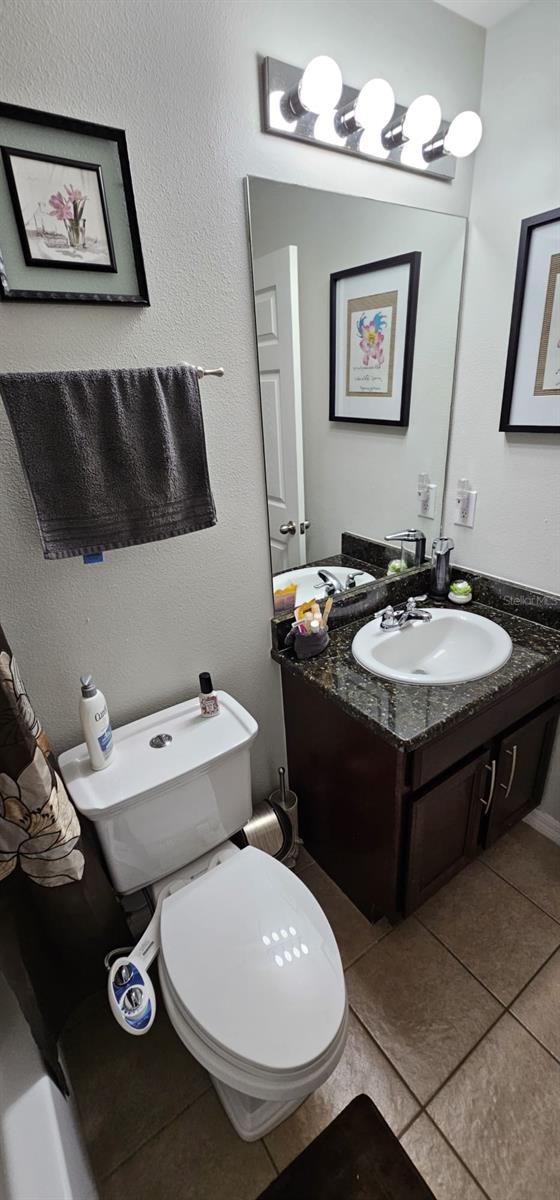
{"points": [[288, 528], [304, 525]]}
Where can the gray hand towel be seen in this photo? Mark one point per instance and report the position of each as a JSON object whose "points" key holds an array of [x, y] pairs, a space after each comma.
{"points": [[112, 458]]}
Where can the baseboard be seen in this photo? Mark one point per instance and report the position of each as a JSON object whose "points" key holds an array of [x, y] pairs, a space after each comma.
{"points": [[545, 824]]}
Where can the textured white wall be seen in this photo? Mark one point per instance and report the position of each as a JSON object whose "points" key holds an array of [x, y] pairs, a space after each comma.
{"points": [[517, 174], [181, 78]]}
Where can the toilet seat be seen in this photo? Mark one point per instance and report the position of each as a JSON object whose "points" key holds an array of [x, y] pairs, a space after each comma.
{"points": [[252, 977]]}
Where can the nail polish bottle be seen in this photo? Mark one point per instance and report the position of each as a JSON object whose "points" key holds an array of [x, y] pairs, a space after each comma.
{"points": [[208, 700]]}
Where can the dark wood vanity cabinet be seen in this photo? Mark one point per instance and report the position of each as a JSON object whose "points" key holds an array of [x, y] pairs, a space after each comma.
{"points": [[521, 759], [474, 805], [392, 825], [444, 831]]}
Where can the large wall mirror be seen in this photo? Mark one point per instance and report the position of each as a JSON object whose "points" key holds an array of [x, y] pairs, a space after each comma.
{"points": [[356, 315]]}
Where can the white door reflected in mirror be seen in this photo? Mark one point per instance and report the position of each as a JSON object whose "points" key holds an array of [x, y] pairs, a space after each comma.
{"points": [[352, 470]]}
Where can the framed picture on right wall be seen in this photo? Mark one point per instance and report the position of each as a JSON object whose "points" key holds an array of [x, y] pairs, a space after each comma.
{"points": [[531, 401]]}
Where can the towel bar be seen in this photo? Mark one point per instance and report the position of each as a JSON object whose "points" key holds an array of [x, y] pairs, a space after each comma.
{"points": [[201, 371]]}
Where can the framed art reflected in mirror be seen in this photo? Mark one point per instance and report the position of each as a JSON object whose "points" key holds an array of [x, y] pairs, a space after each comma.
{"points": [[372, 331], [336, 488], [531, 399]]}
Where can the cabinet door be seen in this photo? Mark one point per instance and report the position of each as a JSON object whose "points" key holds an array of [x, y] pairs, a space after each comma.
{"points": [[521, 764], [444, 830]]}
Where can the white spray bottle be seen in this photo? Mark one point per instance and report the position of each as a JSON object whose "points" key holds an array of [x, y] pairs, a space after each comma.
{"points": [[96, 724]]}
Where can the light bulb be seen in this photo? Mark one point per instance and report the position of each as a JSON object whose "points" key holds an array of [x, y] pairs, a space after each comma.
{"points": [[412, 156], [276, 115], [375, 105], [422, 119], [320, 86], [370, 143], [463, 134], [325, 130]]}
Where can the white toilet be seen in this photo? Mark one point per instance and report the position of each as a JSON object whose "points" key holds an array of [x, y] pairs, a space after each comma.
{"points": [[249, 968]]}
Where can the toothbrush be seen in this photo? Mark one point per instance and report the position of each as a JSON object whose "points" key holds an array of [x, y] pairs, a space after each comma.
{"points": [[327, 609]]}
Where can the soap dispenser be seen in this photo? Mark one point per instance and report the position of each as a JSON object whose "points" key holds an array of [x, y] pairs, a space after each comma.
{"points": [[440, 574]]}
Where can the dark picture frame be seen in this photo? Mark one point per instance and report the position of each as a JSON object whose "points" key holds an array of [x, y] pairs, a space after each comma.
{"points": [[36, 294], [386, 302], [11, 152], [529, 226]]}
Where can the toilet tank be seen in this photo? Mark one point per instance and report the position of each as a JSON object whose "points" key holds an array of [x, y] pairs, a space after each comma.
{"points": [[178, 784]]}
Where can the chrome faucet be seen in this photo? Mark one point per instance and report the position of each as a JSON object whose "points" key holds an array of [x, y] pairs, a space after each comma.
{"points": [[396, 618], [332, 585], [411, 535], [351, 578], [440, 574]]}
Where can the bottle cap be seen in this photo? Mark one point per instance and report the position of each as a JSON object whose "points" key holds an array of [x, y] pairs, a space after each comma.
{"points": [[88, 686], [205, 681]]}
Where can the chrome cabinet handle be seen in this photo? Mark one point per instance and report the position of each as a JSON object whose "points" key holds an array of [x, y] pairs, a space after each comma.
{"points": [[508, 786], [304, 526], [492, 768], [288, 528]]}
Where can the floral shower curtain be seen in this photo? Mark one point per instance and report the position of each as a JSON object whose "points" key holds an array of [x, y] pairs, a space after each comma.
{"points": [[58, 912], [39, 828]]}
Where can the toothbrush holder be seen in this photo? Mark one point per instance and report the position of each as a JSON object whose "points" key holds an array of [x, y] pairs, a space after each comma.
{"points": [[311, 644]]}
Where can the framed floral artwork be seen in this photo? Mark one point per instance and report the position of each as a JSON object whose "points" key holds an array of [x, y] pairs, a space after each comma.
{"points": [[60, 210], [67, 212], [531, 399], [372, 331]]}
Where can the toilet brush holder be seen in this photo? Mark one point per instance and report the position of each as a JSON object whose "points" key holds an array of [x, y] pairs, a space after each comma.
{"points": [[288, 801]]}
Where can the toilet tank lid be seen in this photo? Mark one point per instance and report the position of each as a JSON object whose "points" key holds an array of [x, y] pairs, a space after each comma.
{"points": [[138, 769]]}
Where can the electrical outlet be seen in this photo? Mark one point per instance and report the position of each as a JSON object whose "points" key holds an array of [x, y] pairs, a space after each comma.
{"points": [[427, 500], [466, 504], [426, 496]]}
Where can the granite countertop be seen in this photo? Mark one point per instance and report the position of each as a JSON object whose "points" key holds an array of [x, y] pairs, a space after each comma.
{"points": [[407, 715]]}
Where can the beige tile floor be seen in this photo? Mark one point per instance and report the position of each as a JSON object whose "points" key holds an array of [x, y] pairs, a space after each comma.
{"points": [[454, 1033]]}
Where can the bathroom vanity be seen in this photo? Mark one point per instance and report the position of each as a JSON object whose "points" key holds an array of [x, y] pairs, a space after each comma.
{"points": [[401, 785]]}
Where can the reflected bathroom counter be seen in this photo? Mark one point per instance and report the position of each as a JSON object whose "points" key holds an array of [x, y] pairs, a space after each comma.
{"points": [[409, 715], [349, 572]]}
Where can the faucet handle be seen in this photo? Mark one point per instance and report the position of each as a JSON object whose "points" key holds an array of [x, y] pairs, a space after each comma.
{"points": [[442, 545], [385, 612], [414, 600]]}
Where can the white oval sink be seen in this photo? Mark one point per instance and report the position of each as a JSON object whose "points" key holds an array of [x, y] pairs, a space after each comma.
{"points": [[311, 587], [451, 648]]}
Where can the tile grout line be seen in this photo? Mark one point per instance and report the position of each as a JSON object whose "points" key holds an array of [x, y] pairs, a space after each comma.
{"points": [[444, 946], [455, 1152], [518, 890], [505, 1005], [455, 1071], [388, 1060], [555, 1060], [269, 1155], [466, 1056], [147, 1140], [367, 949], [533, 977]]}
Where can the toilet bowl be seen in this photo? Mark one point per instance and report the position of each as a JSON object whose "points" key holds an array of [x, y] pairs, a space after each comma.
{"points": [[253, 985], [249, 968]]}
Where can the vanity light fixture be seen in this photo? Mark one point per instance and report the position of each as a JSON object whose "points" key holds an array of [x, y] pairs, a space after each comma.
{"points": [[420, 122], [314, 105], [371, 110], [319, 89], [461, 139]]}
